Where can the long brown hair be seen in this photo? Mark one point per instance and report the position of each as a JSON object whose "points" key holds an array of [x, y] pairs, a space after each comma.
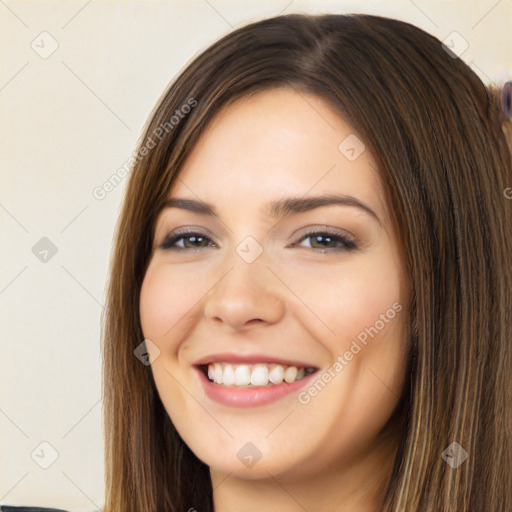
{"points": [[436, 134]]}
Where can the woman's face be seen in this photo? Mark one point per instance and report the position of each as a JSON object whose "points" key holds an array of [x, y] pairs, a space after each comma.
{"points": [[318, 287]]}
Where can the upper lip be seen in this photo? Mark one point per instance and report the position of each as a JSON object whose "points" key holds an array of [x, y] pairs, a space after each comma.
{"points": [[232, 358]]}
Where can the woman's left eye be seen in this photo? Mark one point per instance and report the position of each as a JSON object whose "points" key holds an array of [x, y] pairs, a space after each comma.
{"points": [[323, 239], [326, 239]]}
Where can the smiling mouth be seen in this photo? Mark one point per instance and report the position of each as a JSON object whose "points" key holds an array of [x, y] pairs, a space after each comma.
{"points": [[253, 375]]}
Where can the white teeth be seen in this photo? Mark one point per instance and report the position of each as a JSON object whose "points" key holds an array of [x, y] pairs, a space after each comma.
{"points": [[276, 375], [290, 374], [228, 377], [217, 373], [259, 374], [242, 375]]}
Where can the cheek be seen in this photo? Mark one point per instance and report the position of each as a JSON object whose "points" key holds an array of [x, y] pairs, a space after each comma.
{"points": [[342, 301], [163, 311], [368, 293], [163, 302]]}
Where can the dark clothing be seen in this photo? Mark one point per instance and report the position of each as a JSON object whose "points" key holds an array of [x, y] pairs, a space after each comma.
{"points": [[11, 508]]}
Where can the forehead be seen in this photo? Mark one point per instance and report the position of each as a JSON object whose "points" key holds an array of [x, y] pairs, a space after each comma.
{"points": [[274, 143]]}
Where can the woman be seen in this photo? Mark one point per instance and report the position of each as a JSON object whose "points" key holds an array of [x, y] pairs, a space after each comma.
{"points": [[249, 363]]}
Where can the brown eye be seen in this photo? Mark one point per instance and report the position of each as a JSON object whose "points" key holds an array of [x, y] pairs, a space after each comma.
{"points": [[191, 240], [329, 241]]}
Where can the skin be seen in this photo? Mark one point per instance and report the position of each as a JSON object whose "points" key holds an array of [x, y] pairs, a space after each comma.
{"points": [[297, 300]]}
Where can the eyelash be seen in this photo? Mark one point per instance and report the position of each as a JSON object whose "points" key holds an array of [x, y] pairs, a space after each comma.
{"points": [[348, 244]]}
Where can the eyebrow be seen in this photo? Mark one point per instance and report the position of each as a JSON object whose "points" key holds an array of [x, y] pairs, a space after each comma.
{"points": [[282, 207]]}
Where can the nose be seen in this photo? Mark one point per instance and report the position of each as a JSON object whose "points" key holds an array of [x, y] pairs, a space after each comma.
{"points": [[247, 295]]}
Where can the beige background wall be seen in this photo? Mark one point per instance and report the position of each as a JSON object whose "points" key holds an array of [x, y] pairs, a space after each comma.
{"points": [[69, 120]]}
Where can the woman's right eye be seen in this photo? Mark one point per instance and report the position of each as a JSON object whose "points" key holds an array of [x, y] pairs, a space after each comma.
{"points": [[196, 239]]}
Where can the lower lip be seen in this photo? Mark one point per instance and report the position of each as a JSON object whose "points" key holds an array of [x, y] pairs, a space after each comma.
{"points": [[249, 397]]}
